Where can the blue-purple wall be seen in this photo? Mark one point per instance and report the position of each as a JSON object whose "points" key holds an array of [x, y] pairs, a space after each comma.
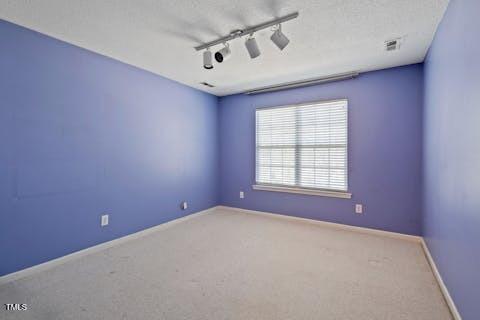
{"points": [[385, 135], [451, 212], [82, 135]]}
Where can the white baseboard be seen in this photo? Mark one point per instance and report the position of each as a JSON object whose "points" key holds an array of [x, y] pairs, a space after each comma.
{"points": [[441, 284], [99, 247], [333, 225]]}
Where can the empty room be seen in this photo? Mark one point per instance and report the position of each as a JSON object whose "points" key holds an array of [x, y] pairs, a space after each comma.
{"points": [[214, 160]]}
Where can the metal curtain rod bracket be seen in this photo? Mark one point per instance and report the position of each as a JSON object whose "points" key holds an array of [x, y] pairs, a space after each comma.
{"points": [[250, 30]]}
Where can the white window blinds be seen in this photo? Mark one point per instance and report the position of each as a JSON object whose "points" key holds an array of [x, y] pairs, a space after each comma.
{"points": [[303, 146]]}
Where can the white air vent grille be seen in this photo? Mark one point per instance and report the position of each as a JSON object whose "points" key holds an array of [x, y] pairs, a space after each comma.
{"points": [[207, 84], [392, 45]]}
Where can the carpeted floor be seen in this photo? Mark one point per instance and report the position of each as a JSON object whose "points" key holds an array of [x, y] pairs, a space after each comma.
{"points": [[231, 265]]}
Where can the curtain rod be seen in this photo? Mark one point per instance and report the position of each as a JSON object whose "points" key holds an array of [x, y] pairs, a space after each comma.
{"points": [[304, 83]]}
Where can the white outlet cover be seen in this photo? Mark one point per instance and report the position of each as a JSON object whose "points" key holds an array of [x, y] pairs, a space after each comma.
{"points": [[184, 205], [242, 195], [104, 220], [358, 208]]}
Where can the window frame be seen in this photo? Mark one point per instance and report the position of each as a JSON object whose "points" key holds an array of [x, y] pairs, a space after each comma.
{"points": [[296, 188]]}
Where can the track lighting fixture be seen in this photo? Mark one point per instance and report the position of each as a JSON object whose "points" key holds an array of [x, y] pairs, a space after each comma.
{"points": [[207, 59], [280, 40], [223, 54], [252, 47]]}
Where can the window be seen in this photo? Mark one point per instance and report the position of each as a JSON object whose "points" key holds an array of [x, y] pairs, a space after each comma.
{"points": [[302, 147]]}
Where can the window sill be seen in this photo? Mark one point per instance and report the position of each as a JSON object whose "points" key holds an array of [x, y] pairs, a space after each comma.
{"points": [[312, 192]]}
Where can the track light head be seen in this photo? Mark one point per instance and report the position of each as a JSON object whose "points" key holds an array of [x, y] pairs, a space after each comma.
{"points": [[207, 59], [280, 40], [223, 54], [252, 47]]}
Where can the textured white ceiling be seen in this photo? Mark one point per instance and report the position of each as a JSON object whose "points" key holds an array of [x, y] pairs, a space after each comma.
{"points": [[329, 37]]}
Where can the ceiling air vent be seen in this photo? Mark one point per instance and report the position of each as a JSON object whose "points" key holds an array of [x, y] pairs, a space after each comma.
{"points": [[392, 45], [207, 84]]}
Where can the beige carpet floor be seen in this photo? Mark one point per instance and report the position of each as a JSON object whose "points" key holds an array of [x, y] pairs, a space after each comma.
{"points": [[231, 265]]}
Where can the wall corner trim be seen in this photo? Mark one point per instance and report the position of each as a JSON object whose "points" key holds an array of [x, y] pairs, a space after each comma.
{"points": [[96, 248], [441, 284]]}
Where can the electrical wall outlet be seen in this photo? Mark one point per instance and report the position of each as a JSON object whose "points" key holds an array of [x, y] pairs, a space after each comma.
{"points": [[242, 195], [184, 205], [104, 220], [359, 208]]}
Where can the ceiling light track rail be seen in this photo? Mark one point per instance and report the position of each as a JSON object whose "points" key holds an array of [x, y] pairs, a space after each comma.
{"points": [[239, 33]]}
